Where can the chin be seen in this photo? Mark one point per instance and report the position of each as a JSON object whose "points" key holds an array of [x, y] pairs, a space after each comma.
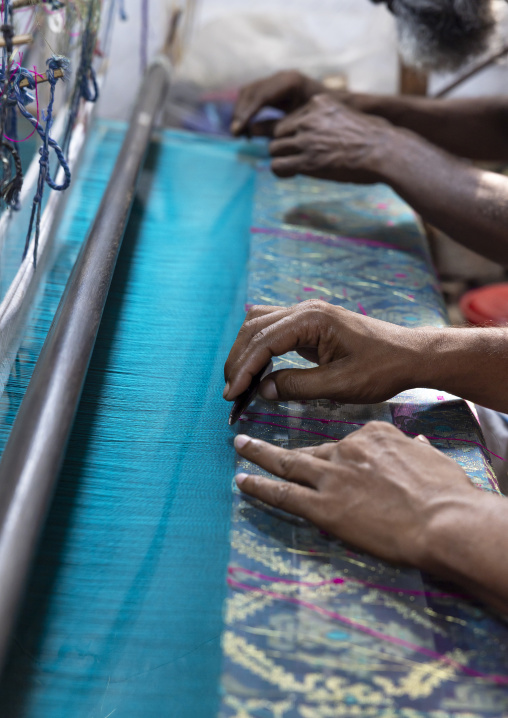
{"points": [[442, 34]]}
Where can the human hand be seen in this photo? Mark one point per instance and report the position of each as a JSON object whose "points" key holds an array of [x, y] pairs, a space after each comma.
{"points": [[288, 91], [328, 140], [376, 489], [361, 359]]}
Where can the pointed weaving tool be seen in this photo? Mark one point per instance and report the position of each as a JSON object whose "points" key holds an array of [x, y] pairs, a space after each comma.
{"points": [[243, 401]]}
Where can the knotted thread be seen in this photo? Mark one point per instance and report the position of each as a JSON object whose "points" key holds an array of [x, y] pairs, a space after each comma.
{"points": [[57, 62], [86, 80], [12, 183]]}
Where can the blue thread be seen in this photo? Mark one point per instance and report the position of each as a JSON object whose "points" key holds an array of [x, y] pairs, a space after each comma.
{"points": [[57, 62], [86, 81], [122, 10]]}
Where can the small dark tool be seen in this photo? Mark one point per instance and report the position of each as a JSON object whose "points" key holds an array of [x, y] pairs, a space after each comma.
{"points": [[248, 395]]}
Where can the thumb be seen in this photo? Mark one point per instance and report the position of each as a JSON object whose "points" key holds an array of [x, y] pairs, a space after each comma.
{"points": [[294, 384]]}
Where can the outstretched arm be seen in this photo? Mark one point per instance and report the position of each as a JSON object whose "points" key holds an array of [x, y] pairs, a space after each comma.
{"points": [[330, 141], [397, 498], [362, 360], [475, 128]]}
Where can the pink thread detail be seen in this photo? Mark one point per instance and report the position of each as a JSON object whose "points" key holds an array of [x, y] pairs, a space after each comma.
{"points": [[500, 680], [309, 289], [362, 309], [328, 239], [352, 423], [399, 275], [342, 580]]}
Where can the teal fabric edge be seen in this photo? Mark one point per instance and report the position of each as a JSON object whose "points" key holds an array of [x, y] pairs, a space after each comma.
{"points": [[59, 665]]}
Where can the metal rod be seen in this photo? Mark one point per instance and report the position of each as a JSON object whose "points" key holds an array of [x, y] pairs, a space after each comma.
{"points": [[35, 450], [483, 65]]}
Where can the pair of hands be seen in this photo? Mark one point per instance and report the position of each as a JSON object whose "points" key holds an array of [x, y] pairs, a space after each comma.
{"points": [[376, 488], [322, 136]]}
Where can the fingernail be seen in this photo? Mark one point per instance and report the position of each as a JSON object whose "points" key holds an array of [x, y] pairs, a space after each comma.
{"points": [[240, 478], [235, 126], [241, 440], [268, 390], [423, 439], [226, 391]]}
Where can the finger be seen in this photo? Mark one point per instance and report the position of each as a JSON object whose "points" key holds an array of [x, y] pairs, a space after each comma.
{"points": [[297, 384], [285, 147], [258, 318], [423, 439], [290, 465], [286, 167], [262, 310], [290, 124], [248, 104], [321, 451], [296, 500], [252, 352]]}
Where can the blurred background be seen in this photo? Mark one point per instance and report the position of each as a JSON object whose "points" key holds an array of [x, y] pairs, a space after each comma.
{"points": [[350, 43]]}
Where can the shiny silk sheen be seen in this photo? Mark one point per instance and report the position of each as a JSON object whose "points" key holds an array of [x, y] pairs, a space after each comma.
{"points": [[124, 610]]}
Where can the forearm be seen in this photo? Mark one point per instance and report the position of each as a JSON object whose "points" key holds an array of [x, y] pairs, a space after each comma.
{"points": [[473, 128], [467, 542], [470, 363], [468, 204]]}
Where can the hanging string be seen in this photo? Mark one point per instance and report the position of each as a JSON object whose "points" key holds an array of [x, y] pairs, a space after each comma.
{"points": [[12, 175], [122, 10], [144, 36], [55, 63], [86, 81]]}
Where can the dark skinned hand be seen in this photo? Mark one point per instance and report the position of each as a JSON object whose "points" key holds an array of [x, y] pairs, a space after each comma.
{"points": [[376, 489], [287, 91], [361, 359], [327, 140]]}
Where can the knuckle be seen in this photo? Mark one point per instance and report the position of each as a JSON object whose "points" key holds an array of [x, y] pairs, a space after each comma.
{"points": [[253, 312], [285, 465], [260, 337], [291, 385], [281, 494]]}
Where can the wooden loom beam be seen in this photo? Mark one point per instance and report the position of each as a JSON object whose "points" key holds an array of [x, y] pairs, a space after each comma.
{"points": [[18, 40]]}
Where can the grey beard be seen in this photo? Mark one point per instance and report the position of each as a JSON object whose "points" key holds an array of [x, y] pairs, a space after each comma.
{"points": [[442, 34]]}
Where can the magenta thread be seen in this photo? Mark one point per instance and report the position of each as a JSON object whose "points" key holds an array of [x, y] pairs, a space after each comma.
{"points": [[350, 423], [329, 239], [342, 580], [372, 632]]}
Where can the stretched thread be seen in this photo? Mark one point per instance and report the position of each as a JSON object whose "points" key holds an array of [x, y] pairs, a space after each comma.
{"points": [[341, 580], [329, 239], [372, 632], [354, 423]]}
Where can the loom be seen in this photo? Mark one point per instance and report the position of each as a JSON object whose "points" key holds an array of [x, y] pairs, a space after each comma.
{"points": [[134, 579]]}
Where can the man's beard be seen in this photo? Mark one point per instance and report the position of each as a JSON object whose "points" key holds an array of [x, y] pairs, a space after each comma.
{"points": [[442, 34]]}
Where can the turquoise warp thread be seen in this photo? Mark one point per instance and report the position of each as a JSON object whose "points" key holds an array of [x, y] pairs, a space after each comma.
{"points": [[124, 612]]}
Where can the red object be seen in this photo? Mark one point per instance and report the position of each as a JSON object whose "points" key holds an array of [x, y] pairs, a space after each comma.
{"points": [[486, 306]]}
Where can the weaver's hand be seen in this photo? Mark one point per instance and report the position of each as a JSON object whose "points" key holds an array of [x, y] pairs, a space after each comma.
{"points": [[327, 140], [361, 360], [285, 91], [375, 489]]}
